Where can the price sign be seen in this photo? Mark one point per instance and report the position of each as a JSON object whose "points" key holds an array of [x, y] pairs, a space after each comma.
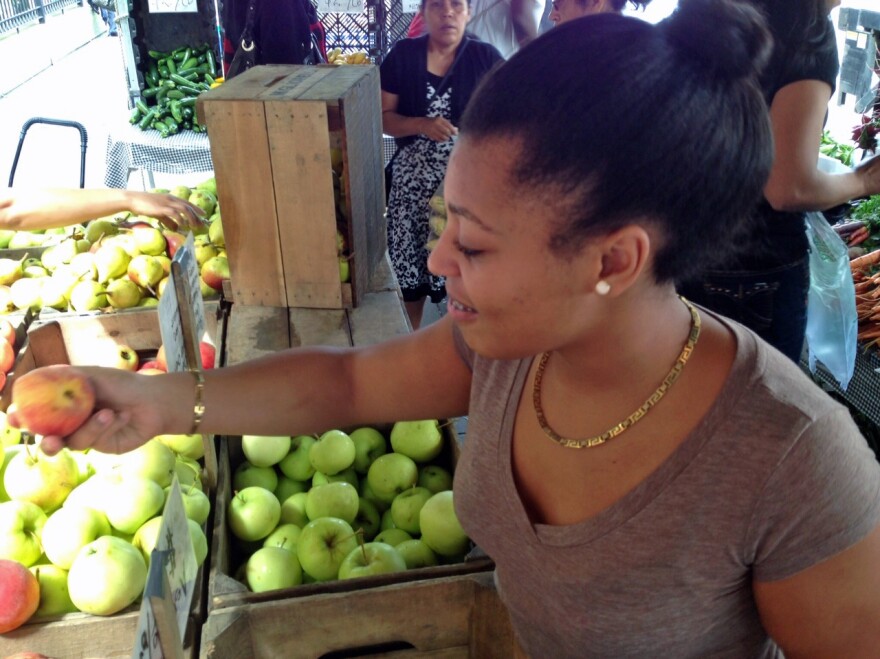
{"points": [[170, 585], [172, 6], [182, 311], [411, 6], [341, 6]]}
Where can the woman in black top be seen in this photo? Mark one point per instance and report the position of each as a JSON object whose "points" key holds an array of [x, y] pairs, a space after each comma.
{"points": [[766, 287], [426, 83]]}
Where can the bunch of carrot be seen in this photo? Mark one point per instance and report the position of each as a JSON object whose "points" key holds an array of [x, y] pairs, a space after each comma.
{"points": [[866, 277]]}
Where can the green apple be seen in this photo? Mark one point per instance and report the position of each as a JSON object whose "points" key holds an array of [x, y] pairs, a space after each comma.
{"points": [[253, 513], [420, 440], [417, 554], [367, 493], [196, 504], [296, 464], [322, 546], [147, 537], [69, 529], [189, 446], [36, 477], [189, 472], [21, 530], [284, 536], [387, 521], [107, 575], [332, 500], [250, 475], [9, 436], [264, 451], [435, 478], [54, 596], [5, 458], [392, 537], [406, 507], [89, 493], [368, 519], [293, 509], [345, 476], [441, 529], [287, 487], [130, 501], [199, 541], [391, 474], [371, 558], [84, 467], [273, 568], [153, 460], [333, 452], [369, 444]]}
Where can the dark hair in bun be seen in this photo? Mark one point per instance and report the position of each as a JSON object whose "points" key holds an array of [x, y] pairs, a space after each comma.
{"points": [[618, 120]]}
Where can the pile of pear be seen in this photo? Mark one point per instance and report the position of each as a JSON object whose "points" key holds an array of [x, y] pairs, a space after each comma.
{"points": [[109, 263]]}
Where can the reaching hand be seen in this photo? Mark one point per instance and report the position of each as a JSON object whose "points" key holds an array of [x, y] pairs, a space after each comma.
{"points": [[173, 212], [869, 173]]}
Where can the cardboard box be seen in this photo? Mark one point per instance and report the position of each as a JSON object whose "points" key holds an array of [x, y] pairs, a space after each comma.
{"points": [[452, 617], [276, 132]]}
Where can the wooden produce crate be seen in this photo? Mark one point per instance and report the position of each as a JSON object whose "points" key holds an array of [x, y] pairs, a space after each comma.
{"points": [[452, 617], [274, 133]]}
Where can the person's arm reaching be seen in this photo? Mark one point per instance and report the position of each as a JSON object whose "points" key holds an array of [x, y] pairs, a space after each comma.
{"points": [[796, 183], [29, 209]]}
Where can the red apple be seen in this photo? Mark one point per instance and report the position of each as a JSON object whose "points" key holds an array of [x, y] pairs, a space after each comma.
{"points": [[19, 595], [7, 331], [208, 353], [151, 371], [54, 400], [151, 365], [174, 240], [7, 355]]}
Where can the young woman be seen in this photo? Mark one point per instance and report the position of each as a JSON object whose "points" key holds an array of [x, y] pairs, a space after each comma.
{"points": [[651, 479], [426, 83], [765, 286]]}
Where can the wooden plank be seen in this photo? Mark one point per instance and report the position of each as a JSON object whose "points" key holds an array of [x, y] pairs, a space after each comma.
{"points": [[311, 327], [336, 85], [243, 170], [254, 331], [380, 316], [303, 180]]}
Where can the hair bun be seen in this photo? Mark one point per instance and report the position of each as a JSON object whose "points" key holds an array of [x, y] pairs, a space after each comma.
{"points": [[728, 37]]}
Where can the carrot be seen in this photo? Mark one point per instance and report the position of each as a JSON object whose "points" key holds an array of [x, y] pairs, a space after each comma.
{"points": [[871, 258], [863, 286], [872, 332]]}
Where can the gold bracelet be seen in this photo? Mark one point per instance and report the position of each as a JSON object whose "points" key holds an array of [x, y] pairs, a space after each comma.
{"points": [[198, 406]]}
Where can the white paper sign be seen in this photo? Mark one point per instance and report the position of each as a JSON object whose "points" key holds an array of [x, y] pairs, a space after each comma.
{"points": [[411, 6], [171, 6], [171, 325], [341, 6]]}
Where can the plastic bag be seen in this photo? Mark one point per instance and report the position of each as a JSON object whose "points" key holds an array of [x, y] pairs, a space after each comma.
{"points": [[832, 323]]}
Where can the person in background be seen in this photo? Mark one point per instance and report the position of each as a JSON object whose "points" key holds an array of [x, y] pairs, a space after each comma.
{"points": [[567, 10], [765, 286], [426, 83], [25, 209], [651, 479]]}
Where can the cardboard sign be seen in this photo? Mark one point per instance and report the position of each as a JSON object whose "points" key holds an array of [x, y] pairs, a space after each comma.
{"points": [[182, 311]]}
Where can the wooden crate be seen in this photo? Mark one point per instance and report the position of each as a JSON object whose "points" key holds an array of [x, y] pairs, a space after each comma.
{"points": [[447, 618], [272, 130]]}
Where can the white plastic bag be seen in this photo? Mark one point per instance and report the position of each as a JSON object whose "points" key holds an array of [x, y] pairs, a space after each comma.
{"points": [[832, 323]]}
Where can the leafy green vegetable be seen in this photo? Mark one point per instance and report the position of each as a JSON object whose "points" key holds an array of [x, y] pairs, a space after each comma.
{"points": [[837, 150], [868, 210]]}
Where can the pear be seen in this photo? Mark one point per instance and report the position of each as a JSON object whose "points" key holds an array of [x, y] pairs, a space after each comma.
{"points": [[214, 271], [123, 294], [5, 237], [97, 229], [148, 301], [84, 266], [6, 304], [26, 239], [160, 287], [204, 250], [124, 240], [208, 185], [33, 271], [10, 271], [112, 262], [145, 270], [215, 233], [166, 263], [63, 252], [204, 200], [149, 240], [160, 191], [27, 294], [55, 291], [88, 296], [174, 240], [207, 291], [181, 191]]}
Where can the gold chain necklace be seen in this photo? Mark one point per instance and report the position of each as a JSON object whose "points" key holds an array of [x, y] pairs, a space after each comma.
{"points": [[652, 400]]}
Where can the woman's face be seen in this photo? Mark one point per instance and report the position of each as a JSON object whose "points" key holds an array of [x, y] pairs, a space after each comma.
{"points": [[568, 10], [445, 20], [510, 295]]}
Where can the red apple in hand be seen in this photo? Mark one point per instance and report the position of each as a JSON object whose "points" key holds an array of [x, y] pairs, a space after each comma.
{"points": [[208, 354], [55, 400], [19, 595]]}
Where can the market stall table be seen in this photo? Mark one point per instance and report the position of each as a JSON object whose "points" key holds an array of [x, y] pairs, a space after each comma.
{"points": [[129, 148]]}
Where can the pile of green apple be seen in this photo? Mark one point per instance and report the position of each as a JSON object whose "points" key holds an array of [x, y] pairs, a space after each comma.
{"points": [[341, 505], [85, 523], [109, 263]]}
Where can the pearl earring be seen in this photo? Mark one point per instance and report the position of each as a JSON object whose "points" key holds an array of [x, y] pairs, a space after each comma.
{"points": [[603, 287]]}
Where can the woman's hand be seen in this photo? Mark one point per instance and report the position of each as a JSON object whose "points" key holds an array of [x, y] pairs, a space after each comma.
{"points": [[174, 212], [438, 129], [130, 409], [868, 172]]}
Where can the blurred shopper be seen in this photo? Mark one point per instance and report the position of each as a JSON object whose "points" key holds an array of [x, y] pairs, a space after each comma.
{"points": [[567, 10], [426, 83]]}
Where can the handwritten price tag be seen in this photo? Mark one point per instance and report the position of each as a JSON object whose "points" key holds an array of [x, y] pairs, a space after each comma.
{"points": [[182, 297], [341, 6], [411, 6], [171, 6]]}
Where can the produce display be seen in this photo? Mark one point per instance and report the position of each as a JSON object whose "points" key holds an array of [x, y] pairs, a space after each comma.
{"points": [[173, 82], [110, 263], [84, 523], [7, 349], [342, 505], [336, 56]]}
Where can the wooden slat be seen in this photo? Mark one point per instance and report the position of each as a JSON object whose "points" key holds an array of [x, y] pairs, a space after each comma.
{"points": [[254, 331], [243, 170], [327, 327], [302, 175]]}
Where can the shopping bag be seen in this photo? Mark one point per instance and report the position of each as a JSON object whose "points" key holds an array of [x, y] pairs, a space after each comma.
{"points": [[832, 323]]}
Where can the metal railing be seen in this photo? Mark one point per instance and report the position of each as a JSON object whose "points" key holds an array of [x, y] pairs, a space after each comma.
{"points": [[15, 14]]}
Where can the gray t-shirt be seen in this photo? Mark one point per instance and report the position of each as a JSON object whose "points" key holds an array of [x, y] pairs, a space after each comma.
{"points": [[775, 479]]}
